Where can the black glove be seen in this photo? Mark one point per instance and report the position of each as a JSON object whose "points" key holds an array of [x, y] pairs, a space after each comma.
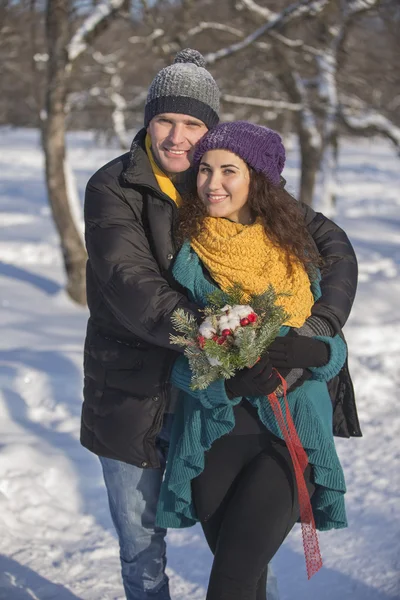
{"points": [[298, 351], [260, 380]]}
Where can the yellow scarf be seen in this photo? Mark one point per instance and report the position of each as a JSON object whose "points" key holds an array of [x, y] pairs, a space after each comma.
{"points": [[165, 183], [235, 253]]}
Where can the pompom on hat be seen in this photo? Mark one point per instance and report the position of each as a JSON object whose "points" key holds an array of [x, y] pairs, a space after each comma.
{"points": [[260, 147], [185, 87]]}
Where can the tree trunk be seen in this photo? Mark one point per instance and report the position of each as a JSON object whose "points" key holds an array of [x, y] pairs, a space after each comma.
{"points": [[328, 187], [310, 162], [306, 126], [53, 140]]}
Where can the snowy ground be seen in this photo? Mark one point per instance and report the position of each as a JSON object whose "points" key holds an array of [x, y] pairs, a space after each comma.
{"points": [[56, 539]]}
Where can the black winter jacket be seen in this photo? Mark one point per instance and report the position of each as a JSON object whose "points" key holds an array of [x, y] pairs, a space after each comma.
{"points": [[132, 294]]}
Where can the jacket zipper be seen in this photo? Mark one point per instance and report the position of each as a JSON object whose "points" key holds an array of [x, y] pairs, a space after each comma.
{"points": [[158, 422]]}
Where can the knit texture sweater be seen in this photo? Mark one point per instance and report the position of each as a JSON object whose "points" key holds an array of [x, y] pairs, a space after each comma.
{"points": [[203, 416], [244, 254]]}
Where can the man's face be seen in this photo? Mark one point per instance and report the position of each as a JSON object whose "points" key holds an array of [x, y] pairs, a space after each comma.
{"points": [[173, 137]]}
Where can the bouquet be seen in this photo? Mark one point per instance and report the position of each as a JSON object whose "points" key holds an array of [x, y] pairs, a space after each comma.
{"points": [[232, 336]]}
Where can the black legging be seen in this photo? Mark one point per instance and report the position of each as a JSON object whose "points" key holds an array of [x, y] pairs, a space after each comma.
{"points": [[246, 500]]}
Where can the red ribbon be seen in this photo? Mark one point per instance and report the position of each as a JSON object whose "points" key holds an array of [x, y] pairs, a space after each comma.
{"points": [[300, 461]]}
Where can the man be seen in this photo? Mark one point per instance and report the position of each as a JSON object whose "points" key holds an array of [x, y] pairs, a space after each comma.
{"points": [[131, 209]]}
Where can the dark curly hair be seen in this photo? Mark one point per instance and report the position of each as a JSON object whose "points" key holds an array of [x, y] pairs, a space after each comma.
{"points": [[279, 212]]}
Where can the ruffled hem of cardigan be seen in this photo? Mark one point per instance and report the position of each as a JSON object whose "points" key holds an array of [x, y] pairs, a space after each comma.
{"points": [[328, 498], [177, 509]]}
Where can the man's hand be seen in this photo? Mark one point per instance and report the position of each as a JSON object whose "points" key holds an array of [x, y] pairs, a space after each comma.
{"points": [[260, 380]]}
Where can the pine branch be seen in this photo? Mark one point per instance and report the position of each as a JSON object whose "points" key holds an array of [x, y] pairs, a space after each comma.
{"points": [[184, 322]]}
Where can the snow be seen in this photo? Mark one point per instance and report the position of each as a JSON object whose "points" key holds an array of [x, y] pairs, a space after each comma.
{"points": [[57, 540]]}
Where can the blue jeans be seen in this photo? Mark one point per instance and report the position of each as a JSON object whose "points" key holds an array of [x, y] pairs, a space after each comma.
{"points": [[133, 495]]}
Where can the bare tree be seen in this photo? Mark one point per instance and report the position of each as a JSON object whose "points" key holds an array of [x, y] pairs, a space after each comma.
{"points": [[63, 51], [316, 101]]}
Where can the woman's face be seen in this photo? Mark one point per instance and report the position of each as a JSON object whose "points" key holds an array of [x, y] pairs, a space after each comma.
{"points": [[223, 185]]}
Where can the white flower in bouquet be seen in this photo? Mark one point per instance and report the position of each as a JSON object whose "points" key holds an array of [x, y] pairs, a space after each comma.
{"points": [[214, 362], [206, 329]]}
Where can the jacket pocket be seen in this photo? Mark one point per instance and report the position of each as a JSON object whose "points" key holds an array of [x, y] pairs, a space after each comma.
{"points": [[109, 363], [115, 354]]}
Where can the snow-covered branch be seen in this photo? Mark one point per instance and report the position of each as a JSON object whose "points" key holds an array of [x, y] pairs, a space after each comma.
{"points": [[140, 39], [262, 11], [371, 122], [296, 44], [276, 104], [217, 26], [286, 41], [305, 8], [90, 26], [357, 6], [205, 26], [299, 9], [351, 11], [106, 59]]}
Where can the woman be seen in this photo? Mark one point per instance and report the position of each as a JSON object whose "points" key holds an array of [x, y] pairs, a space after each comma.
{"points": [[231, 464]]}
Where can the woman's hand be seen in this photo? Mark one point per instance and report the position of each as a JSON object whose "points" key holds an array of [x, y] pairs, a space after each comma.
{"points": [[260, 380]]}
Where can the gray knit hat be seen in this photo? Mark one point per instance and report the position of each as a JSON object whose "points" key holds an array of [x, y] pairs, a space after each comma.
{"points": [[185, 87]]}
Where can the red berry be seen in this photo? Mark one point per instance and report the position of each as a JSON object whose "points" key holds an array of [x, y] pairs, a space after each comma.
{"points": [[226, 332], [221, 340], [252, 317], [202, 340], [244, 322], [215, 338]]}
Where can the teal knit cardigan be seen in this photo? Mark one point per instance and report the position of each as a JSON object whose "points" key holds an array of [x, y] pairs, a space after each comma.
{"points": [[203, 416]]}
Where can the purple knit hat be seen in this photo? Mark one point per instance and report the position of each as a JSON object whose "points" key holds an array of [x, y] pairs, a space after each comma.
{"points": [[258, 146]]}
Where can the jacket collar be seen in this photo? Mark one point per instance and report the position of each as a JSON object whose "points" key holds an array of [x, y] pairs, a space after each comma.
{"points": [[138, 170]]}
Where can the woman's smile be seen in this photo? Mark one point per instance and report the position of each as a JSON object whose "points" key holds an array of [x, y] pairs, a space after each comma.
{"points": [[216, 198]]}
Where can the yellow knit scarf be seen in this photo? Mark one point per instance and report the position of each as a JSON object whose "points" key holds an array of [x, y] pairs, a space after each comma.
{"points": [[243, 254], [164, 182]]}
